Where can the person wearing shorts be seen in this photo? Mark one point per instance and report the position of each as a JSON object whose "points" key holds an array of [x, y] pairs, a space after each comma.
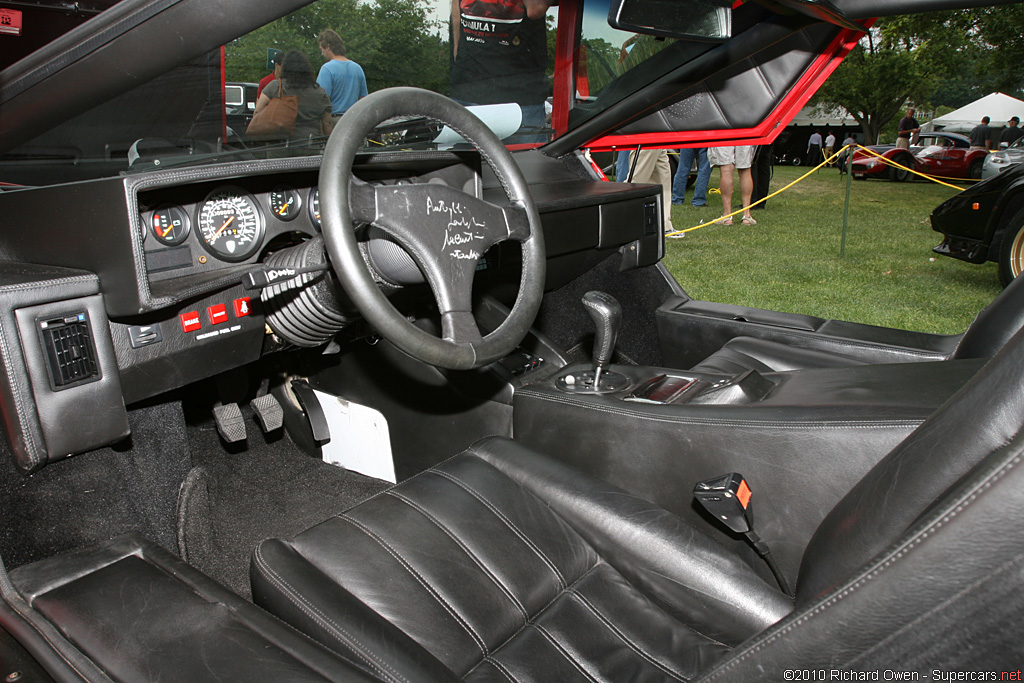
{"points": [[740, 158]]}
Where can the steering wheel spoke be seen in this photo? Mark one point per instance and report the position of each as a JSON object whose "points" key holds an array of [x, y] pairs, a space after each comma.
{"points": [[460, 327], [444, 229]]}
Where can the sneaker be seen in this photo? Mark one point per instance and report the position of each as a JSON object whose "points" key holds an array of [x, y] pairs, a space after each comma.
{"points": [[700, 205], [675, 236]]}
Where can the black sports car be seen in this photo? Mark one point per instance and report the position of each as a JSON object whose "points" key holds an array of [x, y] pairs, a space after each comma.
{"points": [[985, 222], [410, 397]]}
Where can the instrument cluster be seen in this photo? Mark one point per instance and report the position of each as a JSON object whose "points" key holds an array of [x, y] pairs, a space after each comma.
{"points": [[229, 223]]}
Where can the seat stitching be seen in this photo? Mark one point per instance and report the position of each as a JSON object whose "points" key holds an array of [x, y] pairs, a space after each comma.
{"points": [[531, 620], [469, 553], [508, 522], [633, 645], [811, 424], [681, 623], [295, 597], [502, 669], [558, 646], [416, 575], [874, 570], [1012, 563], [55, 645]]}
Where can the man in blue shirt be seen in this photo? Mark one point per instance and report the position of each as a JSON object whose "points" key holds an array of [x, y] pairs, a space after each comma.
{"points": [[342, 78]]}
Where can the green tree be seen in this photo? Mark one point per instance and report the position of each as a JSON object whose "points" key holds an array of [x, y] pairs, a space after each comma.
{"points": [[394, 41], [876, 80], [936, 58]]}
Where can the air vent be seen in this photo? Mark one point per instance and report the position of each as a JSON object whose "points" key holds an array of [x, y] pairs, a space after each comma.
{"points": [[70, 352]]}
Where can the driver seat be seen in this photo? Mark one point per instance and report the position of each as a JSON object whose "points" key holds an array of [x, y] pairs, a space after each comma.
{"points": [[501, 564]]}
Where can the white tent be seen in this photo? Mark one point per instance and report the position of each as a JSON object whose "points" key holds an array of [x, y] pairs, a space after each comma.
{"points": [[997, 106], [824, 117]]}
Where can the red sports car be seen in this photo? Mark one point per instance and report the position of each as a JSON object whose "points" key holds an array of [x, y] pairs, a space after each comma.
{"points": [[946, 155]]}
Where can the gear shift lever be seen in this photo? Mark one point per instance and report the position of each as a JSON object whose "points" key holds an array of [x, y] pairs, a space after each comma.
{"points": [[607, 315]]}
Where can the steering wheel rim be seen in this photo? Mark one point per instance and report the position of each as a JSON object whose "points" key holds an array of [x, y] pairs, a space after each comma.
{"points": [[461, 347]]}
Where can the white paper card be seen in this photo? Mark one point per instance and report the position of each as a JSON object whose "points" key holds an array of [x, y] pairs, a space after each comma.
{"points": [[359, 438]]}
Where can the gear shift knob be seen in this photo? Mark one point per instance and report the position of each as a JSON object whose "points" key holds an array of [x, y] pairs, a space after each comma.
{"points": [[607, 315]]}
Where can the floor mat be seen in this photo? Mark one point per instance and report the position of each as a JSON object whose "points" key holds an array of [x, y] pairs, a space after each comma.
{"points": [[230, 501]]}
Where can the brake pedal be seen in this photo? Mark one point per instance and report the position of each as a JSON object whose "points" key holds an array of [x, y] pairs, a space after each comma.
{"points": [[230, 424], [268, 411]]}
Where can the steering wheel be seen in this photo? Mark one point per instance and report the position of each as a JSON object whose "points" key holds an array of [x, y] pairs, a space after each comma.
{"points": [[443, 229]]}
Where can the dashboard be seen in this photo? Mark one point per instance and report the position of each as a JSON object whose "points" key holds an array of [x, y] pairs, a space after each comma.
{"points": [[147, 269]]}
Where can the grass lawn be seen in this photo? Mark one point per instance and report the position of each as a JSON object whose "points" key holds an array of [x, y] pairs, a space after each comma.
{"points": [[790, 260]]}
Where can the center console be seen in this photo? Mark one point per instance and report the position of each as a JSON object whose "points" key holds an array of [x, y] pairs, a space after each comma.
{"points": [[802, 439]]}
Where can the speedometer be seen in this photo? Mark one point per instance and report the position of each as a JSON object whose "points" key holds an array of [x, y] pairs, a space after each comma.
{"points": [[230, 224]]}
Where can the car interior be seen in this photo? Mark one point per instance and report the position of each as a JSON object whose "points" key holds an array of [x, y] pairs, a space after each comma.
{"points": [[380, 409]]}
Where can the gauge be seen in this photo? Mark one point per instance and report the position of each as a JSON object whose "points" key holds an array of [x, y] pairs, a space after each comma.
{"points": [[314, 207], [230, 224], [285, 203], [170, 225]]}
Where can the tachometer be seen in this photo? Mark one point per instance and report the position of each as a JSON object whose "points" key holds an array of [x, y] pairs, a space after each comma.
{"points": [[230, 224]]}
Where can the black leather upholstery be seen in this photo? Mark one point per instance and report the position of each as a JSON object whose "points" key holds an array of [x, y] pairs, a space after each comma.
{"points": [[500, 560], [140, 614], [501, 564], [993, 327]]}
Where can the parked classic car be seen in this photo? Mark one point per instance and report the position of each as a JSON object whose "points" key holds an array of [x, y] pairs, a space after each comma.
{"points": [[217, 360], [986, 223], [1002, 159], [945, 155]]}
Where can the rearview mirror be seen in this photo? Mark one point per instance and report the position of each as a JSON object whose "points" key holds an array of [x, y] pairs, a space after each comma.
{"points": [[703, 20]]}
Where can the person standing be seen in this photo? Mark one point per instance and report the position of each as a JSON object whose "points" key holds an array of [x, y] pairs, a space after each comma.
{"points": [[499, 54], [1012, 132], [981, 135], [342, 78], [682, 178], [740, 158], [276, 60], [813, 149], [909, 127], [652, 166], [830, 144], [847, 153], [314, 115]]}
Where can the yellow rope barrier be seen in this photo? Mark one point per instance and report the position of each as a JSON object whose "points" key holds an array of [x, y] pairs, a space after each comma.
{"points": [[827, 161], [759, 201]]}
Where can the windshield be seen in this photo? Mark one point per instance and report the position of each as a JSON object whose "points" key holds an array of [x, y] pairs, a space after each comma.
{"points": [[279, 90]]}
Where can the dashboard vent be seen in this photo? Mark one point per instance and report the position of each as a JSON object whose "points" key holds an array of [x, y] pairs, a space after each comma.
{"points": [[70, 352]]}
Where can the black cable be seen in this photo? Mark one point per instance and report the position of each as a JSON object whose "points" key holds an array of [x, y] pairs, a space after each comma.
{"points": [[762, 549]]}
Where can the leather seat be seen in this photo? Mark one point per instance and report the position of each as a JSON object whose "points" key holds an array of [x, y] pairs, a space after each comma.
{"points": [[502, 564], [993, 327]]}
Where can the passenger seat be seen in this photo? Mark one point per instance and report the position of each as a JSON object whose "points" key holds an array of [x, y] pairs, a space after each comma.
{"points": [[993, 327]]}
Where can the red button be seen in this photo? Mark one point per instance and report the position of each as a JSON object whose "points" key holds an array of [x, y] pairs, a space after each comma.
{"points": [[190, 321], [218, 314], [242, 307]]}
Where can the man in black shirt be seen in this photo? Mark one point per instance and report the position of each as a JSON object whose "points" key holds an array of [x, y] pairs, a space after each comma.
{"points": [[499, 54], [981, 136], [909, 127], [1011, 133]]}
